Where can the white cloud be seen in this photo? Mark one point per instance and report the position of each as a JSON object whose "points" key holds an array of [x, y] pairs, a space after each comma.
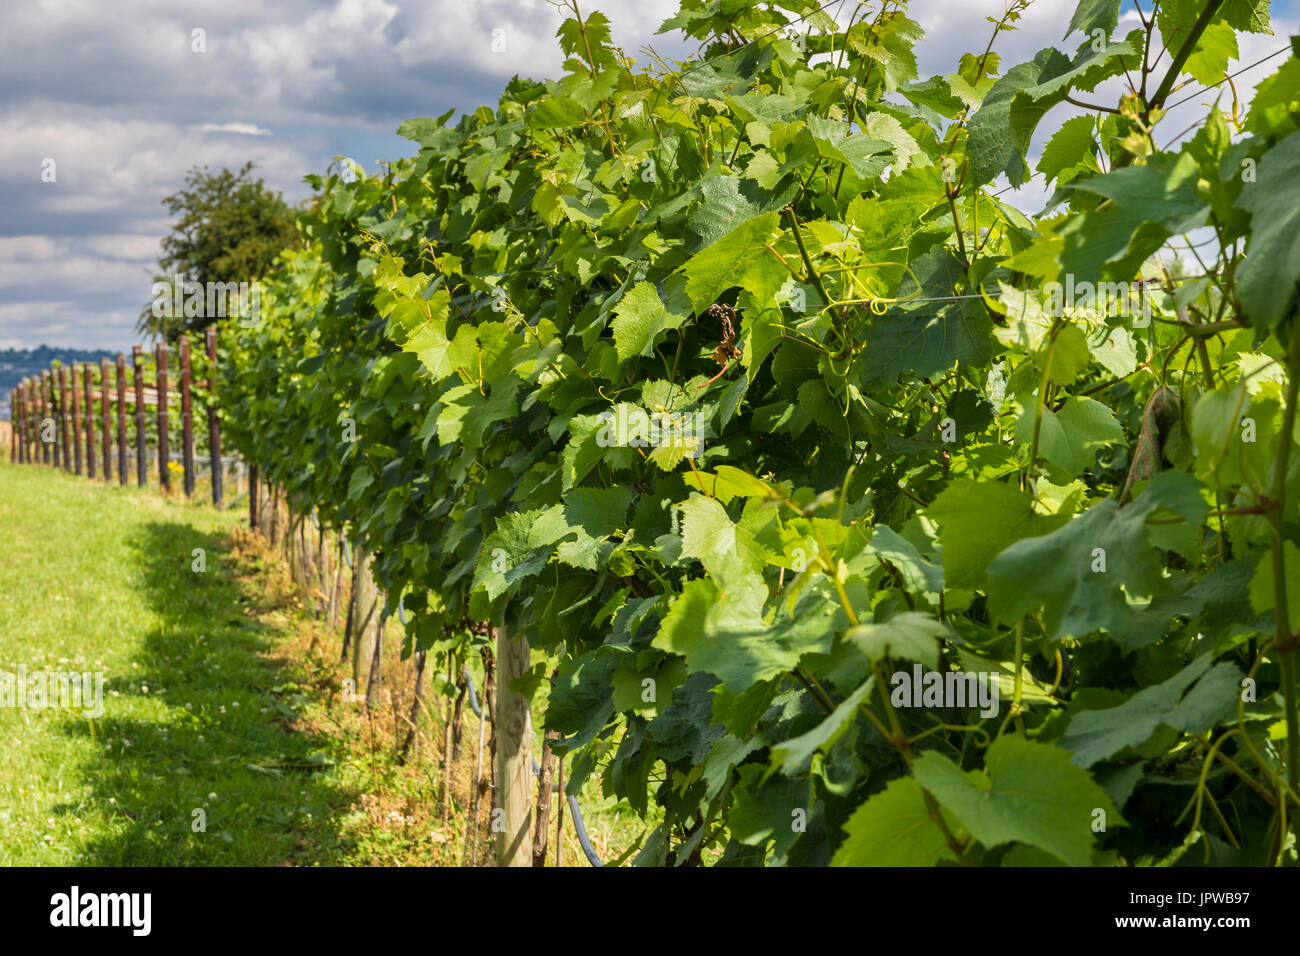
{"points": [[242, 129]]}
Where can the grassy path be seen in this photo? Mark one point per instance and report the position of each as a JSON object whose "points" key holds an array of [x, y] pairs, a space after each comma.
{"points": [[221, 695], [196, 715]]}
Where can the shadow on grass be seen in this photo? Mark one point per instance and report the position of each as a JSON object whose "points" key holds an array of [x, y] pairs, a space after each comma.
{"points": [[200, 730]]}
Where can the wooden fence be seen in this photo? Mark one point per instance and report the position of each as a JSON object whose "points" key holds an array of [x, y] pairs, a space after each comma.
{"points": [[72, 418]]}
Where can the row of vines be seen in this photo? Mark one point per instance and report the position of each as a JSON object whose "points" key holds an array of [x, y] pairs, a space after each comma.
{"points": [[836, 532]]}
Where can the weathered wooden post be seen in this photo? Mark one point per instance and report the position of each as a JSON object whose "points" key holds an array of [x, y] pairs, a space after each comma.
{"points": [[252, 497], [17, 419], [89, 401], [141, 457], [214, 424], [24, 395], [64, 415], [120, 381], [514, 732], [47, 415], [160, 388], [187, 418], [31, 405], [18, 424], [76, 420], [105, 419], [365, 628]]}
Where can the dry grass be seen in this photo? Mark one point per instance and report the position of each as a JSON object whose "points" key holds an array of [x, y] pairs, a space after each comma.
{"points": [[407, 814]]}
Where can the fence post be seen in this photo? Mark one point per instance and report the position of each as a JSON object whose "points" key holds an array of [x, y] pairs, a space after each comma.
{"points": [[214, 425], [514, 731], [365, 629], [47, 414], [64, 415], [16, 403], [17, 420], [187, 417], [252, 497], [160, 388], [89, 402], [120, 382], [141, 448], [105, 419], [24, 391], [31, 404], [76, 418]]}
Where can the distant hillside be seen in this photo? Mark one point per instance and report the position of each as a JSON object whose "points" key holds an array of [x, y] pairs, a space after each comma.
{"points": [[17, 364]]}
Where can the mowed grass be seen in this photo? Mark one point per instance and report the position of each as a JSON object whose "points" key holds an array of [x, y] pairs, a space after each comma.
{"points": [[101, 579]]}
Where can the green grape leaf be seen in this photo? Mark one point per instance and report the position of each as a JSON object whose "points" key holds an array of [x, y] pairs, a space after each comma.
{"points": [[1071, 146], [1079, 573], [739, 258], [792, 755], [1070, 438], [724, 633], [978, 521], [1269, 278], [1262, 593], [1029, 793], [1092, 15], [894, 828], [1094, 735], [1149, 203], [639, 318], [912, 635]]}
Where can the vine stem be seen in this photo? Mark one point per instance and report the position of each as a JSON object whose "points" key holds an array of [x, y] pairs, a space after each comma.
{"points": [[1286, 641], [1042, 401], [1167, 84]]}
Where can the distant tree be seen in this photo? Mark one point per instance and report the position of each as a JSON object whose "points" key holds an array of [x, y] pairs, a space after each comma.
{"points": [[230, 230]]}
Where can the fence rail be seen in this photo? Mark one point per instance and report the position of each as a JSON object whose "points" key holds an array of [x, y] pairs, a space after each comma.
{"points": [[60, 416]]}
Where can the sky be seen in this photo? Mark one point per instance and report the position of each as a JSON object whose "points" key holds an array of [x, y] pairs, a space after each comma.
{"points": [[117, 96]]}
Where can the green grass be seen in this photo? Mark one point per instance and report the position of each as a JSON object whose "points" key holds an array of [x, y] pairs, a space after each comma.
{"points": [[96, 578]]}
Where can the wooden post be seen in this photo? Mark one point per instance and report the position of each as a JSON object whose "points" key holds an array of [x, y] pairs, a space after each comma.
{"points": [[545, 786], [160, 387], [105, 419], [16, 419], [120, 381], [18, 423], [141, 456], [252, 497], [76, 419], [64, 415], [47, 415], [29, 415], [187, 418], [214, 425], [89, 401], [365, 631], [514, 733], [49, 424], [24, 393], [32, 405], [38, 401]]}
